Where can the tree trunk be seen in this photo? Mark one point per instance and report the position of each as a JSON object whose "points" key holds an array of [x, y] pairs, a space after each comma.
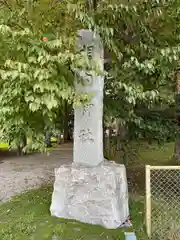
{"points": [[118, 142], [24, 140], [48, 139], [59, 139], [20, 147], [19, 151], [104, 136], [66, 119], [177, 151], [176, 156], [24, 143]]}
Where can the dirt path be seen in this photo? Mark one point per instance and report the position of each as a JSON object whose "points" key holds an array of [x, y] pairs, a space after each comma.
{"points": [[18, 174]]}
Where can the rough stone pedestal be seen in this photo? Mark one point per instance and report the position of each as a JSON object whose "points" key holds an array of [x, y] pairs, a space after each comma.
{"points": [[95, 195]]}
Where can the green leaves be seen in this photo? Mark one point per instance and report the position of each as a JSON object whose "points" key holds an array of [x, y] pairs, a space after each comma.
{"points": [[37, 77], [30, 84], [5, 30], [34, 106], [145, 36]]}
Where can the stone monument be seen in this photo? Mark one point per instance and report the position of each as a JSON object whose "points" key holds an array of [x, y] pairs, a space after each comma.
{"points": [[91, 189], [88, 132]]}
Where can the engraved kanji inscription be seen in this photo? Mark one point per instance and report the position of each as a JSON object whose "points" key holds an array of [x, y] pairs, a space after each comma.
{"points": [[86, 109], [86, 135], [88, 131]]}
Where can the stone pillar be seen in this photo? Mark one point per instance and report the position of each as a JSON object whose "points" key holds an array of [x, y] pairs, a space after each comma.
{"points": [[88, 128], [91, 189]]}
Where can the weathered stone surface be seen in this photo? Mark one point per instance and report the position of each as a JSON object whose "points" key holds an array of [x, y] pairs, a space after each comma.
{"points": [[96, 195], [88, 132]]}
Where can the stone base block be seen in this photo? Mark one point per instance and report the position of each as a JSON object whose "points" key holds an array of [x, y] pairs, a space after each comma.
{"points": [[96, 195]]}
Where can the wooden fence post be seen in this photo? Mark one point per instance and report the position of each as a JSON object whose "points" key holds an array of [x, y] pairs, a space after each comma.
{"points": [[148, 200]]}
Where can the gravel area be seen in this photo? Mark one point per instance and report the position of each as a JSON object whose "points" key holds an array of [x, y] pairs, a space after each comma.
{"points": [[19, 174]]}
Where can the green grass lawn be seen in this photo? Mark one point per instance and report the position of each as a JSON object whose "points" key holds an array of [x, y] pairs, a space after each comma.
{"points": [[147, 154], [155, 154], [142, 153], [27, 217], [3, 145], [166, 218]]}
